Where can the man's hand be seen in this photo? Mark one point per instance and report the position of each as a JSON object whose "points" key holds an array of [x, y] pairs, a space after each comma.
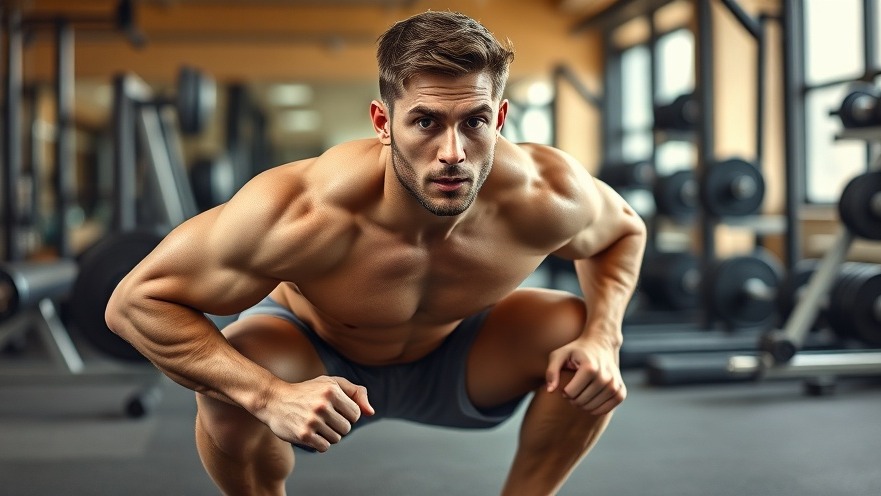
{"points": [[316, 413], [597, 386]]}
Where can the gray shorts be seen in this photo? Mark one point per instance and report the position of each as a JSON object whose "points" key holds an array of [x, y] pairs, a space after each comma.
{"points": [[429, 391]]}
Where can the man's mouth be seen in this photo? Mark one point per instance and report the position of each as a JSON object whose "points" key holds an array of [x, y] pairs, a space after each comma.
{"points": [[449, 183]]}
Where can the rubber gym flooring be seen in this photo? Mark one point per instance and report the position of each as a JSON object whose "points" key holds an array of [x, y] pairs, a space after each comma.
{"points": [[733, 439]]}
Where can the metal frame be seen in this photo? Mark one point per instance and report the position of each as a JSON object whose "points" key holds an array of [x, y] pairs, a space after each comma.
{"points": [[12, 151]]}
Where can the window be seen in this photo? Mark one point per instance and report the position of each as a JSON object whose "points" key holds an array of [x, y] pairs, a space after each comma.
{"points": [[835, 46], [530, 112], [833, 40], [636, 103], [675, 76], [675, 64]]}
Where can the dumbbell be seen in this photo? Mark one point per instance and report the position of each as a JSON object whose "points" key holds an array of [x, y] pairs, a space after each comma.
{"points": [[628, 175], [860, 205], [676, 195], [732, 188], [742, 291], [860, 107], [682, 114], [671, 280]]}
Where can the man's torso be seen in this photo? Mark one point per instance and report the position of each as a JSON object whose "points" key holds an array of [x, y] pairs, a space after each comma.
{"points": [[390, 299]]}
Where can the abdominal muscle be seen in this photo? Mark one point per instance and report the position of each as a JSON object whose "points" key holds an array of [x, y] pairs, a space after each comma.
{"points": [[372, 346]]}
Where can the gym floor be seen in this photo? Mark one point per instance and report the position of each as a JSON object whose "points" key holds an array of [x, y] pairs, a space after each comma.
{"points": [[733, 439]]}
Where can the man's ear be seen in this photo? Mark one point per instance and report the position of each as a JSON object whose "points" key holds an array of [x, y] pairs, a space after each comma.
{"points": [[502, 115], [381, 118]]}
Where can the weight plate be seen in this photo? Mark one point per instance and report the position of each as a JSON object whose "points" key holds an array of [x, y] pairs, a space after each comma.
{"points": [[101, 268], [733, 188], [860, 205], [726, 292], [866, 306], [676, 195], [196, 100], [671, 280], [837, 314]]}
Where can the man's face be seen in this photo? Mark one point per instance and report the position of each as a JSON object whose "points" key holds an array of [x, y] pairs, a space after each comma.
{"points": [[443, 135]]}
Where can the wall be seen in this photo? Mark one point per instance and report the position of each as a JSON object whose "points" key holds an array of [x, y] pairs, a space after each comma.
{"points": [[274, 42]]}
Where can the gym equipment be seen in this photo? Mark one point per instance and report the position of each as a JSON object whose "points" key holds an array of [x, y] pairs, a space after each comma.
{"points": [[24, 284], [675, 279], [676, 195], [732, 187], [861, 107], [682, 114], [855, 303], [213, 181], [102, 266], [860, 205], [628, 175], [671, 279], [195, 101], [741, 291], [791, 290]]}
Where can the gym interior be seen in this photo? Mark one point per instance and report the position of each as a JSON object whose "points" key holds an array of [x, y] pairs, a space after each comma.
{"points": [[745, 133]]}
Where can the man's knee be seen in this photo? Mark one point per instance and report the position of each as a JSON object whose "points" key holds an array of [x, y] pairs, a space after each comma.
{"points": [[548, 319], [276, 345]]}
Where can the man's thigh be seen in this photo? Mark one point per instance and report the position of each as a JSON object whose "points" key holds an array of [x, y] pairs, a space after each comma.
{"points": [[510, 353]]}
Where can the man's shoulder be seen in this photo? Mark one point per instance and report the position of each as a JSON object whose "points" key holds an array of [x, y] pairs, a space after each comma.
{"points": [[543, 170], [336, 173], [548, 191]]}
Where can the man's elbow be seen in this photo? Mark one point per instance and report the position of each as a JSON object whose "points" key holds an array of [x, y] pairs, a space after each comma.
{"points": [[117, 310]]}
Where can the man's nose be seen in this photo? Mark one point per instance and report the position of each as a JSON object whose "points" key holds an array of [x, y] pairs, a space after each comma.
{"points": [[452, 150]]}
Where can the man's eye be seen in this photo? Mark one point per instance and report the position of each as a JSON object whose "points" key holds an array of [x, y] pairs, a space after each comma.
{"points": [[474, 122], [424, 123]]}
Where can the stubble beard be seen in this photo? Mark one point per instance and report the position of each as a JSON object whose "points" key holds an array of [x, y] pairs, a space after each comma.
{"points": [[406, 175]]}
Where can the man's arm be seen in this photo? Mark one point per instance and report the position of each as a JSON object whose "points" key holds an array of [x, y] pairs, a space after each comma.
{"points": [[607, 255], [222, 262]]}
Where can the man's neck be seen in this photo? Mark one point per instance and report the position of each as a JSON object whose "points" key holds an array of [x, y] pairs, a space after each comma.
{"points": [[400, 212]]}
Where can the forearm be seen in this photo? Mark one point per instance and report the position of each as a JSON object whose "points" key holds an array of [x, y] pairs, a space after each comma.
{"points": [[187, 347], [608, 280]]}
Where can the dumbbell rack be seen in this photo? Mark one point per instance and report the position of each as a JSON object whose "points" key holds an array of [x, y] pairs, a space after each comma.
{"points": [[779, 357]]}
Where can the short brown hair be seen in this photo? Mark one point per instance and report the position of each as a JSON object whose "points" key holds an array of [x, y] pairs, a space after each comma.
{"points": [[447, 43]]}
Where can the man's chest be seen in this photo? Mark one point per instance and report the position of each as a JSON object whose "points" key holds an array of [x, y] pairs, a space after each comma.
{"points": [[385, 283]]}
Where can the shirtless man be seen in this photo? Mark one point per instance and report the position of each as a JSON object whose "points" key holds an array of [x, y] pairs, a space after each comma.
{"points": [[381, 280]]}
